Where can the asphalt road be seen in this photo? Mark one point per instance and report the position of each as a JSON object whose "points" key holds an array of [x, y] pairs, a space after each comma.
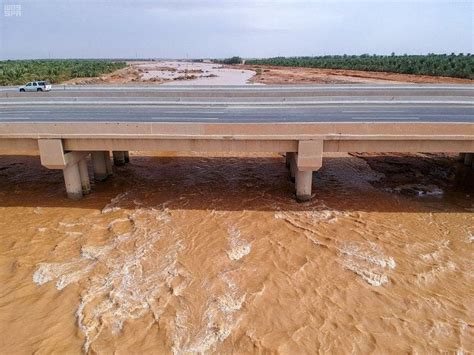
{"points": [[354, 103]]}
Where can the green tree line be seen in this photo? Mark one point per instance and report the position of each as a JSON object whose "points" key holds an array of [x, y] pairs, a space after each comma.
{"points": [[232, 60], [452, 65], [17, 72]]}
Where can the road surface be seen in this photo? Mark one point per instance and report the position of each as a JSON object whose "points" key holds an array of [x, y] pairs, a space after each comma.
{"points": [[249, 104]]}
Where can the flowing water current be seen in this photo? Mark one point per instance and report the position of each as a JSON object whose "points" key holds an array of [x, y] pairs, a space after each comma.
{"points": [[187, 254]]}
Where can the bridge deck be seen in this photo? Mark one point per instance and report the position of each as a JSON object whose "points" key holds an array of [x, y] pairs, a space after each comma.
{"points": [[63, 127]]}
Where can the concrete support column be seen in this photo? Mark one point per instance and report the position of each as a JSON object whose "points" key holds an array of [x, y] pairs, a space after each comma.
{"points": [[100, 166], [119, 158], [462, 156], [126, 157], [85, 182], [287, 159], [72, 178], [292, 165], [468, 159], [108, 163], [308, 159], [304, 181]]}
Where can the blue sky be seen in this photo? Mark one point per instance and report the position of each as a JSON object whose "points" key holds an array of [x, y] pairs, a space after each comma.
{"points": [[222, 28]]}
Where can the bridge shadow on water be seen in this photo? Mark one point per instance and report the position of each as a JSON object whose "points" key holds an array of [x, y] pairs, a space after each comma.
{"points": [[378, 183]]}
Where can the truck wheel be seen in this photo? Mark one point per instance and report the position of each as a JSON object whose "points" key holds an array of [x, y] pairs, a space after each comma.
{"points": [[22, 90], [39, 89]]}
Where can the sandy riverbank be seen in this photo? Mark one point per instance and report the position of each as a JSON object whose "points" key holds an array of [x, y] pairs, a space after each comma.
{"points": [[173, 73], [192, 73], [274, 75]]}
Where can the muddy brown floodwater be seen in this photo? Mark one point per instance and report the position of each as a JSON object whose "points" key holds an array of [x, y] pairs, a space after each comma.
{"points": [[187, 254]]}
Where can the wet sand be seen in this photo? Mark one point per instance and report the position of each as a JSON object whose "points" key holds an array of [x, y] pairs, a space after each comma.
{"points": [[184, 253]]}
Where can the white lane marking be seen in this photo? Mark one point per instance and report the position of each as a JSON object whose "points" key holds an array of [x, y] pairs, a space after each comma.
{"points": [[182, 118], [185, 111], [385, 118], [372, 111], [21, 111], [14, 118]]}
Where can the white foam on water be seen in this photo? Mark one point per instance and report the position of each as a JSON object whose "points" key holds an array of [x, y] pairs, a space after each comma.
{"points": [[367, 260], [138, 270], [96, 252], [47, 272], [38, 210], [433, 256], [238, 247], [220, 316], [306, 222], [371, 276], [311, 217], [435, 272], [230, 304], [69, 225], [117, 220], [74, 234], [440, 329], [217, 323], [418, 190], [73, 276], [369, 252], [470, 237], [434, 260], [112, 206]]}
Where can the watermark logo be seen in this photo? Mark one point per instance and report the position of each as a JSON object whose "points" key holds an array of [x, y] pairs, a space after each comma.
{"points": [[12, 10]]}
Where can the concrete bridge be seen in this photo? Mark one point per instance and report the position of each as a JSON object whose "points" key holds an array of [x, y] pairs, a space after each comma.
{"points": [[66, 127]]}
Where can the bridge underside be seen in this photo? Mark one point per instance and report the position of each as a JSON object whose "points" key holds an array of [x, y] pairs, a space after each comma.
{"points": [[68, 146]]}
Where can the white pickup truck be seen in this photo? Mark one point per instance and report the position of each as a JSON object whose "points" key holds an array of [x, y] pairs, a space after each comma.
{"points": [[36, 86]]}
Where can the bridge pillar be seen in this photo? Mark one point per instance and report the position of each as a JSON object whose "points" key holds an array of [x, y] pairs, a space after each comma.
{"points": [[468, 159], [287, 159], [100, 166], [119, 158], [85, 182], [72, 178], [304, 181], [108, 163], [126, 157], [308, 159], [291, 158]]}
